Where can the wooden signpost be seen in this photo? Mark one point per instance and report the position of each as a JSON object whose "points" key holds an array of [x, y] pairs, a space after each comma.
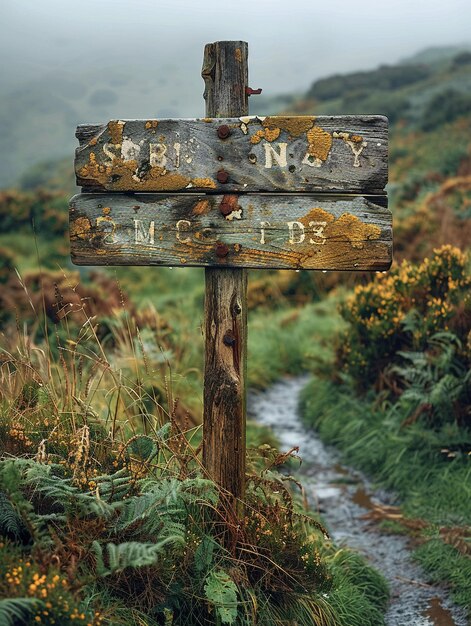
{"points": [[230, 192]]}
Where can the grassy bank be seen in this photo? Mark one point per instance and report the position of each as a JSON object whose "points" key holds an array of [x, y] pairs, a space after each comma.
{"points": [[397, 404], [427, 471]]}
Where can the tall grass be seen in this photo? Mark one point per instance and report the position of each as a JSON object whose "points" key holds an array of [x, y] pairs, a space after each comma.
{"points": [[106, 513]]}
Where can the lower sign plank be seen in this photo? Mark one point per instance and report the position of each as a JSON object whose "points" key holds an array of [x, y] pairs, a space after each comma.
{"points": [[252, 231]]}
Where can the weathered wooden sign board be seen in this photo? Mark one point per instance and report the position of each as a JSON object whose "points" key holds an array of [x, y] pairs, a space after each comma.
{"points": [[252, 231], [230, 192], [245, 154]]}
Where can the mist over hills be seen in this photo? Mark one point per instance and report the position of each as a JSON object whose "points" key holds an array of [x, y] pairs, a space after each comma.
{"points": [[38, 116]]}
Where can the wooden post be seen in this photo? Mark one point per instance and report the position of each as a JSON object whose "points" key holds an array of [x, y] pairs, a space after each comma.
{"points": [[225, 72]]}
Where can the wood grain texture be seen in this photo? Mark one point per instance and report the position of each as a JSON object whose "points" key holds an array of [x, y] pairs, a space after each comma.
{"points": [[251, 231], [306, 154], [225, 73]]}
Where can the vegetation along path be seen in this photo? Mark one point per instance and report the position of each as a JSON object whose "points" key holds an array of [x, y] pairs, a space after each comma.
{"points": [[344, 498]]}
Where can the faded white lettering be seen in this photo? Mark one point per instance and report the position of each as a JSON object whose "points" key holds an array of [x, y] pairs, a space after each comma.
{"points": [[177, 146], [262, 231], [296, 232], [157, 158], [271, 154], [318, 231], [143, 236], [107, 221], [183, 225], [356, 147], [107, 147], [130, 150], [312, 161]]}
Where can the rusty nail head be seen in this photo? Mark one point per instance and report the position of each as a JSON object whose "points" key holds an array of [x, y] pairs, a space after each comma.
{"points": [[224, 131], [221, 250], [229, 339], [222, 176]]}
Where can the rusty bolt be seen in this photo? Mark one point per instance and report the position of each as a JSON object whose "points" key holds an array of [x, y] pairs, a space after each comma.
{"points": [[225, 208], [228, 204], [221, 250], [229, 339], [222, 176], [224, 131]]}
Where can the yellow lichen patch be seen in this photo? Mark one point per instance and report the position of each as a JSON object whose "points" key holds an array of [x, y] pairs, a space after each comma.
{"points": [[166, 182], [121, 176], [152, 124], [319, 143], [357, 232], [295, 126], [94, 170], [123, 171], [106, 210], [356, 138], [201, 207], [207, 183], [347, 227], [115, 129], [80, 228], [317, 214], [238, 55], [270, 134], [93, 141]]}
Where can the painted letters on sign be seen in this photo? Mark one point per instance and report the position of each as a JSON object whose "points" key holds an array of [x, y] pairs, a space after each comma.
{"points": [[313, 232], [322, 154]]}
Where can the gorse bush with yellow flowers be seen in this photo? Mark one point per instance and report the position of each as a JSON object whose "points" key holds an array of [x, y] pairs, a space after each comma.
{"points": [[416, 316]]}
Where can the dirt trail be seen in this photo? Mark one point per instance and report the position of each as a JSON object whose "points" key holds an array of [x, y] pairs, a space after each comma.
{"points": [[343, 496]]}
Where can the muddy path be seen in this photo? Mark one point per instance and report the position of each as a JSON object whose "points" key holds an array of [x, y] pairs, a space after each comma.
{"points": [[343, 496]]}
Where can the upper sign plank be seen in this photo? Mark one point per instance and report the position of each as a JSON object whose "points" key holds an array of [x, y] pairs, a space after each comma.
{"points": [[247, 154]]}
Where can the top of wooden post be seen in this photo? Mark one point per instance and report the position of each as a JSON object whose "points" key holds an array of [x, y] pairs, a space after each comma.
{"points": [[225, 73]]}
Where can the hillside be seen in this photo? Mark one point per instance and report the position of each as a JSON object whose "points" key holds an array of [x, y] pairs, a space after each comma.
{"points": [[38, 118]]}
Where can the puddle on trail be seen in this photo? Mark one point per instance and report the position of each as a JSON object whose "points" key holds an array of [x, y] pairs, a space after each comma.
{"points": [[342, 495], [438, 615], [362, 498]]}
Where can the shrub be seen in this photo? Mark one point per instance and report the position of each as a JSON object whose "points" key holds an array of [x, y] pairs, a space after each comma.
{"points": [[394, 321], [445, 107]]}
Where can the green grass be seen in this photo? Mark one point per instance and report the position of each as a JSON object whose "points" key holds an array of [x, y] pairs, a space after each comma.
{"points": [[361, 594], [291, 341], [443, 562]]}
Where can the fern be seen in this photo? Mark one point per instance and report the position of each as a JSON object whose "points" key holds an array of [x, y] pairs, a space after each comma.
{"points": [[71, 499], [14, 611], [435, 379], [221, 592], [132, 554], [164, 502], [11, 524]]}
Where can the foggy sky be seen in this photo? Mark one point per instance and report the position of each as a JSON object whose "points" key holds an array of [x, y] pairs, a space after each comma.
{"points": [[290, 42]]}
